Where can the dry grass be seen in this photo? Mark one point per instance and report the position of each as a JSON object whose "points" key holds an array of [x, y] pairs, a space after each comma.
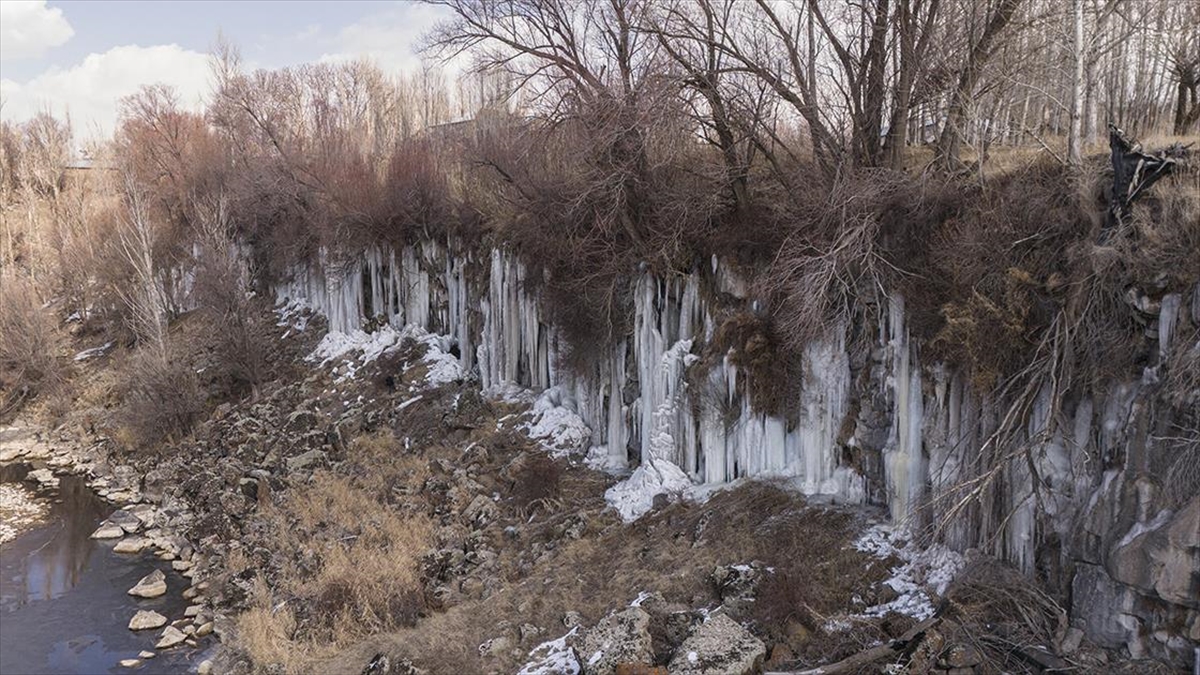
{"points": [[161, 399], [349, 563], [672, 551]]}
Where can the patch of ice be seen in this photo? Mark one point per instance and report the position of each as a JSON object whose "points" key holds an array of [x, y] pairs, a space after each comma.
{"points": [[1139, 529], [932, 568], [599, 459], [555, 425], [634, 496], [552, 658]]}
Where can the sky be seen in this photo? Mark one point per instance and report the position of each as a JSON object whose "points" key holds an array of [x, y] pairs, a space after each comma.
{"points": [[79, 58]]}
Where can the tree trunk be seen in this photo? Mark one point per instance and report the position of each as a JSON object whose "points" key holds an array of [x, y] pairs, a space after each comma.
{"points": [[1075, 131]]}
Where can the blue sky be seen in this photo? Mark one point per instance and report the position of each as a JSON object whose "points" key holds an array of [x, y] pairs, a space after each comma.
{"points": [[80, 57]]}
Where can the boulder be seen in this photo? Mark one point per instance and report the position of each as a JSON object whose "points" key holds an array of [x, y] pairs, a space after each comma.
{"points": [[170, 637], [125, 520], [620, 638], [108, 530], [151, 586], [145, 620], [719, 646], [305, 460], [132, 545]]}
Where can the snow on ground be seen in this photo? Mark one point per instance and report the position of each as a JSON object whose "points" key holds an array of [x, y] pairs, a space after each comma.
{"points": [[552, 658], [555, 425], [94, 352], [921, 569], [634, 496], [18, 510], [349, 352], [294, 314]]}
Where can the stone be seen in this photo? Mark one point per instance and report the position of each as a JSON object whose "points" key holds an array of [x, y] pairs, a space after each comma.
{"points": [[125, 520], [304, 460], [45, 477], [133, 544], [108, 530], [170, 637], [529, 631], [129, 663], [147, 619], [145, 654], [781, 657], [205, 667], [1071, 641], [205, 629], [719, 646], [151, 586], [572, 619], [481, 511], [192, 610], [620, 638], [495, 646], [961, 656]]}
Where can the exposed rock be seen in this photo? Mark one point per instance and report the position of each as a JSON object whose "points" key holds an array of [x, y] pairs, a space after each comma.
{"points": [[305, 460], [621, 638], [170, 637], [108, 530], [572, 619], [151, 586], [481, 511], [146, 619], [205, 667], [495, 646], [132, 545], [125, 520], [205, 628], [129, 663], [718, 646], [44, 477], [960, 656], [736, 583], [145, 654]]}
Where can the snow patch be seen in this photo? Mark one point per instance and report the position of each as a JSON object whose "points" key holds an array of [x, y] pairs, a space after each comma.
{"points": [[94, 351], [921, 569], [634, 496], [351, 351], [552, 658]]}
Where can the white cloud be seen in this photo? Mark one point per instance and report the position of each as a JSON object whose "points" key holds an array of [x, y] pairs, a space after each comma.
{"points": [[90, 90], [388, 38], [28, 28]]}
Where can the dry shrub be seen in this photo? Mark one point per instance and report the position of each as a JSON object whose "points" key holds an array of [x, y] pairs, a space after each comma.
{"points": [[999, 609], [161, 400], [349, 566], [537, 482], [30, 345], [753, 344]]}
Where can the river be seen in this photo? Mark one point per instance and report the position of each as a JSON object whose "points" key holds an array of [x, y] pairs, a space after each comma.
{"points": [[64, 606]]}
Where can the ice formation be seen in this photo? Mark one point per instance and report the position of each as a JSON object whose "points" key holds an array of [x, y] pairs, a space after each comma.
{"points": [[634, 496], [662, 398]]}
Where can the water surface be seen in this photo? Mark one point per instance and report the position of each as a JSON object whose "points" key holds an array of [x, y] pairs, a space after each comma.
{"points": [[64, 606]]}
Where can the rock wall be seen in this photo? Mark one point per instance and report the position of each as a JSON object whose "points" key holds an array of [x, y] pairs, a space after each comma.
{"points": [[1084, 510]]}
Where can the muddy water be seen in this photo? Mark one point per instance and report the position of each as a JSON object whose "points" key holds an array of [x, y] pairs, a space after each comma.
{"points": [[63, 602]]}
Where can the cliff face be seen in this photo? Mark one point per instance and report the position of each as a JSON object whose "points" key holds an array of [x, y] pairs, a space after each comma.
{"points": [[1092, 492]]}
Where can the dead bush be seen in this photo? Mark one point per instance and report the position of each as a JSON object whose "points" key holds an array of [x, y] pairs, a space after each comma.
{"points": [[30, 346], [161, 400], [537, 482]]}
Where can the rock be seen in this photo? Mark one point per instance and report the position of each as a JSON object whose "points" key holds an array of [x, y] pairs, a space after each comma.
{"points": [[108, 530], [144, 654], [481, 511], [736, 583], [132, 545], [205, 629], [572, 619], [961, 656], [145, 620], [205, 667], [620, 638], [192, 610], [495, 646], [781, 657], [529, 631], [151, 586], [125, 520], [1071, 641], [45, 477], [719, 646], [170, 637], [129, 663], [304, 460]]}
